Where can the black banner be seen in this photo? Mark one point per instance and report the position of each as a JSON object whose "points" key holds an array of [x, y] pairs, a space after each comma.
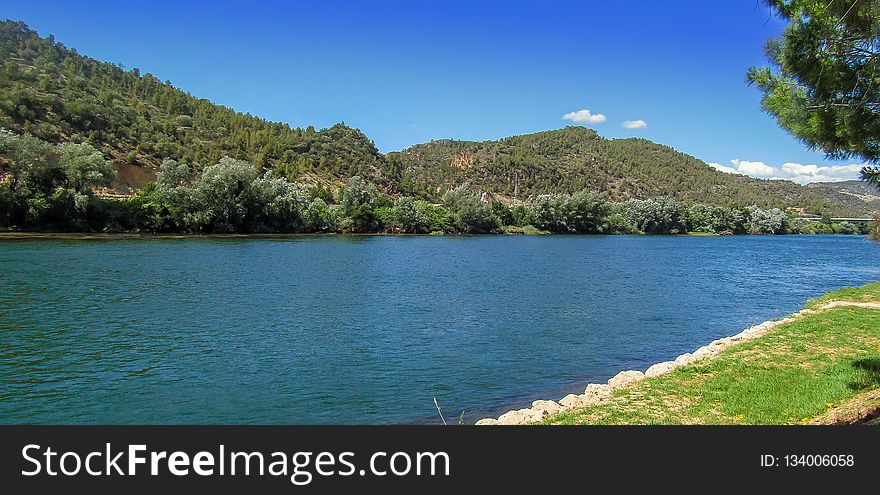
{"points": [[326, 459]]}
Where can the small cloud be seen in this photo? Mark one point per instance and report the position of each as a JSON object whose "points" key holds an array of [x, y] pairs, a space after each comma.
{"points": [[584, 117], [635, 124], [759, 169], [722, 168], [798, 169]]}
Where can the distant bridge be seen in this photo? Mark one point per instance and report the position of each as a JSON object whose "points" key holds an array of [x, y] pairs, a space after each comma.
{"points": [[850, 220]]}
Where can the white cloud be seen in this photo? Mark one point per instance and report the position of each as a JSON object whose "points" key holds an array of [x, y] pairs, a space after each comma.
{"points": [[757, 169], [798, 169], [722, 168], [584, 117], [635, 124], [800, 173], [804, 174]]}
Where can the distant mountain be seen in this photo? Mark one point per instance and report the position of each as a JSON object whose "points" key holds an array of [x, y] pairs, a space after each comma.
{"points": [[56, 94], [856, 188], [575, 158]]}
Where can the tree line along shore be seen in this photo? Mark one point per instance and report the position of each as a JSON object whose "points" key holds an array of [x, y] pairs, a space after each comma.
{"points": [[46, 186]]}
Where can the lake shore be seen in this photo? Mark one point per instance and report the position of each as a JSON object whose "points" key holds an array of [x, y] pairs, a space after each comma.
{"points": [[63, 235], [818, 365]]}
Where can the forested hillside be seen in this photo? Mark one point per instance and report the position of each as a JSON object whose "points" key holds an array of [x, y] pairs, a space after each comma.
{"points": [[136, 121], [56, 94], [576, 158]]}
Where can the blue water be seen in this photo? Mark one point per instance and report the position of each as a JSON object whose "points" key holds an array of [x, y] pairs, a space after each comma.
{"points": [[371, 329]]}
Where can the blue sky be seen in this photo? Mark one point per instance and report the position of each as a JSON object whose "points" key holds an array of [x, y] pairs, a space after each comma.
{"points": [[407, 72]]}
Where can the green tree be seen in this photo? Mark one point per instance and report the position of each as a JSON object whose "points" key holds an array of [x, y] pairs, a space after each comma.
{"points": [[657, 215], [84, 167], [32, 161], [824, 83], [874, 227], [358, 206], [275, 204], [587, 212], [48, 184], [409, 215], [871, 175], [221, 196], [548, 213], [772, 221], [471, 214], [318, 217]]}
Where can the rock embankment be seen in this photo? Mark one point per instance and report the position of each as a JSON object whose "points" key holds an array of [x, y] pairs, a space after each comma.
{"points": [[595, 394]]}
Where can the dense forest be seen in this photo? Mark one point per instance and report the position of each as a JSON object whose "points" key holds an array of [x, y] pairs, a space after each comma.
{"points": [[75, 129]]}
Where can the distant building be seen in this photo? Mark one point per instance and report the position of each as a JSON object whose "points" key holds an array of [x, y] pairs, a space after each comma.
{"points": [[796, 210]]}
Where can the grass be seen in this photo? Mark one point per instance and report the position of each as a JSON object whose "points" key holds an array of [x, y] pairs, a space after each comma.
{"points": [[865, 293], [798, 372]]}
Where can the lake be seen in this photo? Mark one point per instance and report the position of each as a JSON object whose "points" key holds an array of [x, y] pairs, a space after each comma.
{"points": [[342, 329]]}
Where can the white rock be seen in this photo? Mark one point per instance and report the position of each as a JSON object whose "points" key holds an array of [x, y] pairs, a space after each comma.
{"points": [[703, 353], [684, 360], [570, 401], [625, 378], [533, 415], [660, 369], [547, 407], [487, 422], [511, 418], [520, 417], [596, 392], [591, 400]]}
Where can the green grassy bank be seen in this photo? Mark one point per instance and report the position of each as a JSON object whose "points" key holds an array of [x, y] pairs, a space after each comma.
{"points": [[821, 368]]}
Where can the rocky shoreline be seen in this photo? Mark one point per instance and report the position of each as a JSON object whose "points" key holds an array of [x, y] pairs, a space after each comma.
{"points": [[595, 393]]}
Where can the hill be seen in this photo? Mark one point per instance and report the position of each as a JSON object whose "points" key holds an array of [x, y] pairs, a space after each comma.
{"points": [[856, 188], [575, 158], [137, 121], [56, 94]]}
